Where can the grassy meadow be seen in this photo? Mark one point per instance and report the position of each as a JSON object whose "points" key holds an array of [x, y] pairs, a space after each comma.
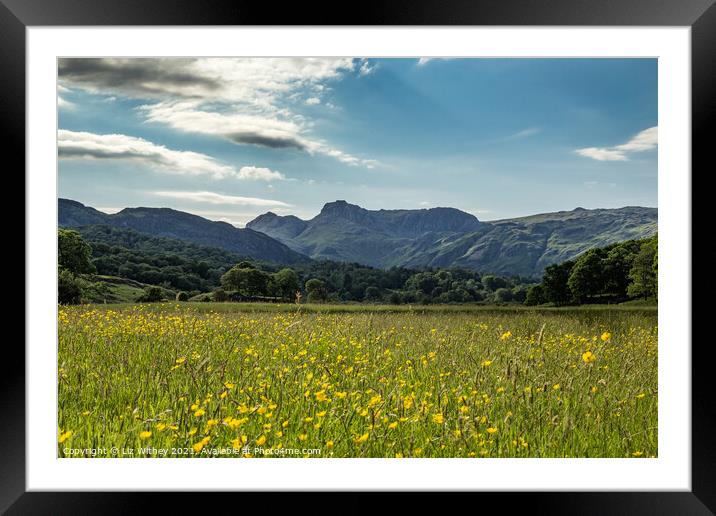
{"points": [[248, 380]]}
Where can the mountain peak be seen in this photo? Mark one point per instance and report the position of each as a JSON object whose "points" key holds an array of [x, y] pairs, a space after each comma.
{"points": [[339, 205]]}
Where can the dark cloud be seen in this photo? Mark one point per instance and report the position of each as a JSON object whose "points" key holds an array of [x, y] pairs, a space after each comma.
{"points": [[273, 142], [80, 151], [138, 75]]}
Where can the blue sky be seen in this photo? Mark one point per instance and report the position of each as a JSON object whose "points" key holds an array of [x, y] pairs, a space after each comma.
{"points": [[230, 139]]}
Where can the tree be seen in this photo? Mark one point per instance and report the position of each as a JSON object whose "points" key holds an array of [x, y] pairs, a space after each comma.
{"points": [[503, 295], [424, 282], [247, 281], [372, 293], [182, 296], [74, 254], [152, 294], [219, 295], [494, 282], [69, 288], [519, 293], [586, 280], [617, 264], [535, 295], [316, 290], [554, 283], [643, 273], [286, 283]]}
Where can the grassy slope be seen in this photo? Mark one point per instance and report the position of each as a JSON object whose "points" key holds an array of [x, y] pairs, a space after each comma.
{"points": [[121, 291]]}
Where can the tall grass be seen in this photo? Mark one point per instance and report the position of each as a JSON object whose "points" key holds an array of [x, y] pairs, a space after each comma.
{"points": [[197, 380]]}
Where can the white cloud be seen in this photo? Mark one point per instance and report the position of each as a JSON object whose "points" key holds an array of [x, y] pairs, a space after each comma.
{"points": [[313, 101], [260, 174], [530, 131], [219, 199], [601, 154], [646, 140], [365, 68], [238, 219], [243, 100], [83, 145], [63, 103], [246, 129], [119, 147]]}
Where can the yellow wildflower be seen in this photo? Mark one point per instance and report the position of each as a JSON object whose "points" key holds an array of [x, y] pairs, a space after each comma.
{"points": [[198, 446], [361, 438], [588, 357]]}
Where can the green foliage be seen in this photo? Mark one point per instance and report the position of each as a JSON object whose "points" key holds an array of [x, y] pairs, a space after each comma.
{"points": [[316, 290], [372, 294], [587, 279], [285, 283], [535, 296], [152, 294], [219, 295], [617, 264], [148, 259], [503, 295], [612, 274], [182, 296], [73, 252], [69, 287], [493, 282], [643, 273], [246, 280], [555, 283], [597, 276]]}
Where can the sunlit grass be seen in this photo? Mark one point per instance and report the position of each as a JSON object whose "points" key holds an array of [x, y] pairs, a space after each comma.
{"points": [[411, 382]]}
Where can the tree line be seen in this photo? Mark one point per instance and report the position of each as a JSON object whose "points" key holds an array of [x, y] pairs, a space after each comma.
{"points": [[611, 274]]}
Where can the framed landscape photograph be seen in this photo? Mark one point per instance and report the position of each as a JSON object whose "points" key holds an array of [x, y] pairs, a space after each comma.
{"points": [[361, 258]]}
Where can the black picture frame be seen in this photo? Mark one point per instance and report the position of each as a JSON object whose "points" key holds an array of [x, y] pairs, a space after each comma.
{"points": [[700, 15]]}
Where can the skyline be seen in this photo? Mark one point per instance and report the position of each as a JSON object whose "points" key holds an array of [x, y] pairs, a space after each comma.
{"points": [[230, 139]]}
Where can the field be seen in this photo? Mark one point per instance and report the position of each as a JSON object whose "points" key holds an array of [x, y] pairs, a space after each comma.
{"points": [[231, 380]]}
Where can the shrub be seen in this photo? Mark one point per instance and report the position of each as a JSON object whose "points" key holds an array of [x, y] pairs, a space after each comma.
{"points": [[219, 295], [152, 294], [182, 296]]}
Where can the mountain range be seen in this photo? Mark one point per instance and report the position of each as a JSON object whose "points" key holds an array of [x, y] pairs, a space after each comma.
{"points": [[165, 222], [447, 237], [435, 237]]}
